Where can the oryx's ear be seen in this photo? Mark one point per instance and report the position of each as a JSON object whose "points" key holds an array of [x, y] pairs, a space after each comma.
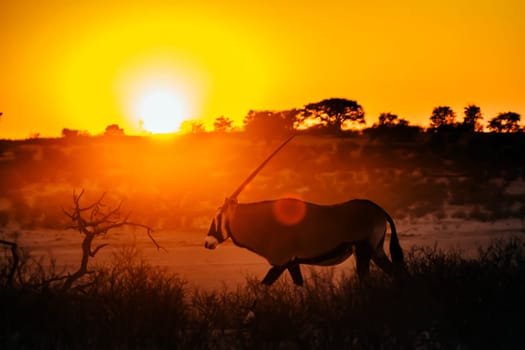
{"points": [[229, 201], [228, 209]]}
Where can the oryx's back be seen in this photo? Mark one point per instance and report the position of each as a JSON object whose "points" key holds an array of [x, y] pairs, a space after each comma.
{"points": [[315, 231]]}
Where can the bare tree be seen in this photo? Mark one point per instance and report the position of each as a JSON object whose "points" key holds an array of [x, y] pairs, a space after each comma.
{"points": [[94, 221]]}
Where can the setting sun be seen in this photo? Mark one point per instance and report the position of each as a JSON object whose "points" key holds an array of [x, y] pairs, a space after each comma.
{"points": [[161, 111]]}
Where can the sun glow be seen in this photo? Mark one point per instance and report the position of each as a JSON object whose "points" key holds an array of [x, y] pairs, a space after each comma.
{"points": [[225, 58], [161, 111], [158, 92]]}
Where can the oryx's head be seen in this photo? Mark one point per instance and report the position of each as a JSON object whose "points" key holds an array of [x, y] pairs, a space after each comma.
{"points": [[220, 225]]}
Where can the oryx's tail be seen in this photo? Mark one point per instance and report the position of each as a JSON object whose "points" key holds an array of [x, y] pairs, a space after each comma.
{"points": [[395, 249]]}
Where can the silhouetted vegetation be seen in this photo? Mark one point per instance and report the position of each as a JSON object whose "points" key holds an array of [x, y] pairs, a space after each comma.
{"points": [[390, 120], [472, 119], [390, 127], [222, 124], [335, 113], [269, 123], [449, 302], [505, 122], [114, 130], [92, 222], [342, 117], [442, 118], [72, 133]]}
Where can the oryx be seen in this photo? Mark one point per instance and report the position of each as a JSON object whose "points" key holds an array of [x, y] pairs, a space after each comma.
{"points": [[289, 232]]}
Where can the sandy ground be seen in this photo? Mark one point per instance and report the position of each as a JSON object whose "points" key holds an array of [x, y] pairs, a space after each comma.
{"points": [[229, 265]]}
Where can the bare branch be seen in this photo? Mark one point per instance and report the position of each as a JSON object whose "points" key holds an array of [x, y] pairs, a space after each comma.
{"points": [[115, 212], [48, 281], [68, 214], [94, 252], [76, 200], [149, 231]]}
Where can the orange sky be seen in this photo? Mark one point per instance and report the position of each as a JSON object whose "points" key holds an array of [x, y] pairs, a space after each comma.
{"points": [[85, 66]]}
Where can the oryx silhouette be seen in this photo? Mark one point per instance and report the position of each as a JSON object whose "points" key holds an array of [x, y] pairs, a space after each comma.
{"points": [[289, 232]]}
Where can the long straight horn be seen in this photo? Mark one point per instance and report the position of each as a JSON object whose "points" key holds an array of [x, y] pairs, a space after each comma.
{"points": [[256, 171]]}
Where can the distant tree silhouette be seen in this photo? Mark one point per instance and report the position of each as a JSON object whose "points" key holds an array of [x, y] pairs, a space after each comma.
{"points": [[390, 120], [505, 122], [443, 117], [334, 113], [268, 123], [70, 133], [402, 122], [192, 126], [471, 121], [291, 118], [222, 124], [197, 127], [392, 128], [387, 119], [113, 130]]}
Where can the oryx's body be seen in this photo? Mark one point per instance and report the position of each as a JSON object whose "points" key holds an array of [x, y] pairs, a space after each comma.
{"points": [[323, 235], [289, 232]]}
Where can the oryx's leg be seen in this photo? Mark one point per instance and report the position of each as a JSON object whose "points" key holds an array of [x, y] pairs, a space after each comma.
{"points": [[295, 272], [381, 260], [273, 274], [363, 254], [379, 257]]}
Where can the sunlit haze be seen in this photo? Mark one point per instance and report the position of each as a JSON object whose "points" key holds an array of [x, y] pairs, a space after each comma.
{"points": [[148, 65]]}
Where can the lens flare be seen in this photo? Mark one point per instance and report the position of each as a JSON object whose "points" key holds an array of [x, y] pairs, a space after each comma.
{"points": [[289, 211]]}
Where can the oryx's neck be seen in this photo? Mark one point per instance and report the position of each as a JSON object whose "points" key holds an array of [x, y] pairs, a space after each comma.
{"points": [[246, 227], [255, 227]]}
